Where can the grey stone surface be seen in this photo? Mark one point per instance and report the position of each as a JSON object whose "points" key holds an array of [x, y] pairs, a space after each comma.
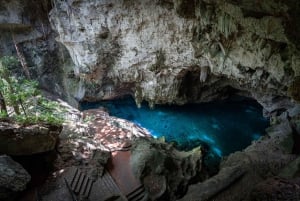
{"points": [[13, 178], [27, 140], [162, 169], [155, 48], [215, 184]]}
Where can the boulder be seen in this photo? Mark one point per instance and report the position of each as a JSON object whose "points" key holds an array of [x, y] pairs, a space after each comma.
{"points": [[162, 169], [27, 140], [13, 178]]}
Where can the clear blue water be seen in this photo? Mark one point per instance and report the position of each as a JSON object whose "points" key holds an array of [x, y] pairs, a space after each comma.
{"points": [[220, 127]]}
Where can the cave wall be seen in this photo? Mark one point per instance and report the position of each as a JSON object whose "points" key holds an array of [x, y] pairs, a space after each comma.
{"points": [[155, 50], [146, 48], [25, 24]]}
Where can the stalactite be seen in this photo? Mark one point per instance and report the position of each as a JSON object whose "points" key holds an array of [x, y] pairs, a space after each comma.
{"points": [[204, 73]]}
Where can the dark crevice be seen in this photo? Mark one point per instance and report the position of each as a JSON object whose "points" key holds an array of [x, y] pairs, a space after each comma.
{"points": [[39, 166], [190, 85]]}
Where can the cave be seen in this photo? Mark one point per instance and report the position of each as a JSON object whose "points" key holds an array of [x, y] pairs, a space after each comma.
{"points": [[155, 100]]}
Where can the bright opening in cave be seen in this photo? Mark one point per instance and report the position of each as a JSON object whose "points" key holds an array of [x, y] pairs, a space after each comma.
{"points": [[220, 127]]}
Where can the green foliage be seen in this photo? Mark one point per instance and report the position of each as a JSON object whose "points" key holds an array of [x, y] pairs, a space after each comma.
{"points": [[23, 100], [3, 115], [7, 63], [89, 118]]}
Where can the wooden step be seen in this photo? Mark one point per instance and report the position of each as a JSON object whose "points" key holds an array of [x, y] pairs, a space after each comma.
{"points": [[136, 195]]}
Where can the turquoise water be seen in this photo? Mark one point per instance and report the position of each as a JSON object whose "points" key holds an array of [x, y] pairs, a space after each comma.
{"points": [[220, 127]]}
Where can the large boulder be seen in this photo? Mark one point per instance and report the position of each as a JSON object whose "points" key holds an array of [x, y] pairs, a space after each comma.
{"points": [[13, 178], [27, 140], [164, 171]]}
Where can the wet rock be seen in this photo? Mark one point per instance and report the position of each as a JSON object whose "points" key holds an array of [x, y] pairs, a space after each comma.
{"points": [[27, 140], [215, 184], [263, 159], [13, 178], [276, 188], [162, 169]]}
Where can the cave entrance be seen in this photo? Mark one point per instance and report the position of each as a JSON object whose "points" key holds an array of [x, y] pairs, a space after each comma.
{"points": [[197, 84], [221, 127], [190, 83]]}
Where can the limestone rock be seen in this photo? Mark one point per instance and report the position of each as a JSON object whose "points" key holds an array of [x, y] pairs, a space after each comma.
{"points": [[241, 171], [215, 184], [277, 189], [13, 178], [292, 170], [27, 140], [162, 169], [149, 49], [48, 62]]}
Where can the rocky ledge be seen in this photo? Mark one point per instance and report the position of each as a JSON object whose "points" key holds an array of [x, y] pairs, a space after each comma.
{"points": [[23, 140], [243, 173]]}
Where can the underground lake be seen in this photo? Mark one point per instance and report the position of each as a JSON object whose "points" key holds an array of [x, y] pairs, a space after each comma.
{"points": [[221, 127]]}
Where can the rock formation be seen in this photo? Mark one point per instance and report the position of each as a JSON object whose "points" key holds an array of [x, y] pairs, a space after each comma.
{"points": [[176, 52], [162, 51], [25, 26], [164, 171], [167, 52], [241, 171], [28, 140], [13, 178]]}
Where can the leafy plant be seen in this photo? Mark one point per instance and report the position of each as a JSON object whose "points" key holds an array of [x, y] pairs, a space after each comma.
{"points": [[21, 100]]}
